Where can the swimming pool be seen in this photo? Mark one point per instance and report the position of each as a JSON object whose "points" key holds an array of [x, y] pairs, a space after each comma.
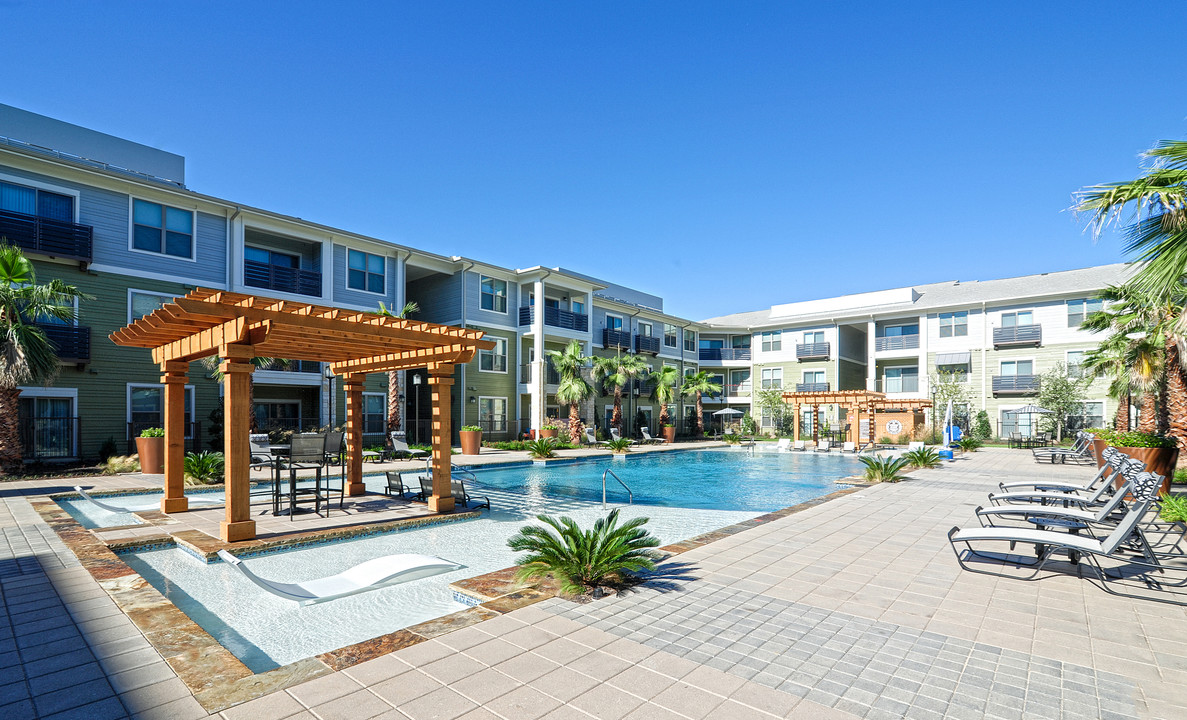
{"points": [[682, 499], [90, 515]]}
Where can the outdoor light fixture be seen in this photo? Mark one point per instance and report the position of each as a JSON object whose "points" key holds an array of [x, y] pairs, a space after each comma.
{"points": [[473, 399], [416, 379]]}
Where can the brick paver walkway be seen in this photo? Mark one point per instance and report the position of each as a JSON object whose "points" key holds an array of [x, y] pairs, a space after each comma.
{"points": [[855, 608]]}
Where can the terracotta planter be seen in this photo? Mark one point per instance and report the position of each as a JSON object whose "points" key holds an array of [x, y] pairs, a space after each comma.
{"points": [[669, 433], [471, 441], [1098, 449], [548, 432], [1160, 461], [152, 454]]}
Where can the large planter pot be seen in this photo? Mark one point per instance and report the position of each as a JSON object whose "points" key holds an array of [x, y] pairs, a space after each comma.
{"points": [[1098, 449], [548, 432], [471, 441], [669, 433], [1160, 461], [152, 454]]}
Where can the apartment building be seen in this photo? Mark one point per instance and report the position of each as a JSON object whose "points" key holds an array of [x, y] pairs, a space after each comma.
{"points": [[116, 219]]}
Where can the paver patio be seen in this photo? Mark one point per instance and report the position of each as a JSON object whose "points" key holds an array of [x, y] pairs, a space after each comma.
{"points": [[853, 608]]}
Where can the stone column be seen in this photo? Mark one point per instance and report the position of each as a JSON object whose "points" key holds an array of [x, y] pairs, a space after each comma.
{"points": [[236, 369], [173, 375], [352, 384], [440, 380]]}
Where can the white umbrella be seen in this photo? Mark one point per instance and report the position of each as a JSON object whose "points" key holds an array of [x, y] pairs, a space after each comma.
{"points": [[723, 414], [948, 424], [1030, 410]]}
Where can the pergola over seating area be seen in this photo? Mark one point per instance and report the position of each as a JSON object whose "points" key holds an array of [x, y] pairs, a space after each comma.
{"points": [[238, 327], [855, 402]]}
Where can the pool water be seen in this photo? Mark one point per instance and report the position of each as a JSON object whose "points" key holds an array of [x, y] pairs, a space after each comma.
{"points": [[90, 515], [683, 494]]}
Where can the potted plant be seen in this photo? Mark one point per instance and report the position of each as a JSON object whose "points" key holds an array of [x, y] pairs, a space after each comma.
{"points": [[669, 432], [151, 448], [471, 439], [549, 430], [1160, 453]]}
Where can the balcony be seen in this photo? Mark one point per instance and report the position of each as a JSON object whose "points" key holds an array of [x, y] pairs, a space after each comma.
{"points": [[811, 387], [725, 354], [555, 317], [1018, 335], [647, 344], [1015, 384], [72, 343], [296, 366], [896, 342], [616, 339], [812, 351], [551, 376], [47, 237], [282, 279]]}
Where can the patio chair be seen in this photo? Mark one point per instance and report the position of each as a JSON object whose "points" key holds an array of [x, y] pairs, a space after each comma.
{"points": [[335, 454], [261, 459], [1128, 468], [457, 487], [1097, 516], [649, 439], [1113, 459], [308, 452], [1079, 452], [1015, 440], [400, 447], [591, 437], [370, 575], [395, 484]]}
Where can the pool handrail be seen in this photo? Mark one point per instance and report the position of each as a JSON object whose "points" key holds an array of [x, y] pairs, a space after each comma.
{"points": [[630, 495]]}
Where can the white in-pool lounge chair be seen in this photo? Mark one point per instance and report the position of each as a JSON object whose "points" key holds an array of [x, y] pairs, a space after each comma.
{"points": [[822, 446], [849, 447], [371, 575], [194, 500], [914, 446], [783, 444], [799, 446]]}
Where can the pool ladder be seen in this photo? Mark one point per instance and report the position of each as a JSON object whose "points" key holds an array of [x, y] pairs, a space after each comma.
{"points": [[630, 495]]}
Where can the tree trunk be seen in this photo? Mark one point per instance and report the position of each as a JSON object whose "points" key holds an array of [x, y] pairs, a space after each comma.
{"points": [[664, 417], [10, 431], [1147, 417], [575, 428], [1121, 421], [616, 416], [1176, 397], [393, 401], [700, 417]]}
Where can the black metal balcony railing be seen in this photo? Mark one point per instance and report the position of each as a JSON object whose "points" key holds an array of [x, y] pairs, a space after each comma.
{"points": [[810, 351], [47, 237], [283, 279], [647, 344], [724, 353], [618, 339], [49, 438], [733, 390], [811, 387], [551, 376], [896, 342], [72, 343], [298, 366], [1015, 384], [1018, 335], [556, 317]]}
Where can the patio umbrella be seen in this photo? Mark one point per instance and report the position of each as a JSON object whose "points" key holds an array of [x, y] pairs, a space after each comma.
{"points": [[948, 425], [1030, 410], [723, 414]]}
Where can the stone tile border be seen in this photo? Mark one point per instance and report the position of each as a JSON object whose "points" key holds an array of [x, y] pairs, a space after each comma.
{"points": [[219, 680]]}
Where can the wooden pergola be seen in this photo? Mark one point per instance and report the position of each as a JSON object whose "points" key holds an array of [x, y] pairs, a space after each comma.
{"points": [[854, 401], [238, 327]]}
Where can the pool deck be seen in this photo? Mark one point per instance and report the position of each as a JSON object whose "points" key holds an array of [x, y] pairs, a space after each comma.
{"points": [[849, 608]]}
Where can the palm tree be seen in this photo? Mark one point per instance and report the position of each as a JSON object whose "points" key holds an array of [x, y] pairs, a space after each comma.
{"points": [[26, 355], [700, 384], [573, 388], [1153, 210], [663, 390], [393, 376], [1112, 359], [618, 371]]}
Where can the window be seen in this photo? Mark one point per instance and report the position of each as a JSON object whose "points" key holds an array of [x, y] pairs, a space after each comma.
{"points": [[772, 378], [813, 376], [954, 324], [689, 371], [613, 322], [162, 229], [374, 413], [274, 258], [669, 335], [902, 379], [740, 341], [740, 379], [899, 330], [1014, 319], [48, 422], [1079, 310], [767, 420], [277, 415], [1017, 367], [495, 359], [645, 329], [31, 201], [1088, 415], [690, 341], [492, 414], [364, 271], [719, 379], [142, 303], [146, 408], [578, 307], [772, 341], [1075, 363], [816, 336], [494, 294], [958, 373]]}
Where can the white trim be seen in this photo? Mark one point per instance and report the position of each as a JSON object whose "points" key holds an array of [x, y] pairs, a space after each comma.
{"points": [[188, 281], [506, 293], [1031, 360], [143, 292], [346, 266], [132, 227], [15, 180], [506, 410], [189, 388], [48, 392]]}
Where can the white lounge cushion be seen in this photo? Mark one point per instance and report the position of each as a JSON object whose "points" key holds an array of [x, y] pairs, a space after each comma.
{"points": [[194, 500], [1083, 543]]}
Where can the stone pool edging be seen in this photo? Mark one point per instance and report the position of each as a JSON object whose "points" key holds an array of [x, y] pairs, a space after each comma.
{"points": [[219, 680]]}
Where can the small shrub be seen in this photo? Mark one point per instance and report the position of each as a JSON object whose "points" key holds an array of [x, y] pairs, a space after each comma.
{"points": [[542, 448], [522, 445], [748, 425], [550, 426], [1173, 508], [204, 468], [621, 445], [923, 458], [1132, 438], [969, 444], [731, 439], [108, 449], [982, 430], [117, 464], [885, 440], [1180, 478], [582, 560], [471, 428], [152, 432], [883, 468]]}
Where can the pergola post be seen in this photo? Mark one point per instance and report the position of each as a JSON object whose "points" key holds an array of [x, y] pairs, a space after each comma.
{"points": [[353, 386], [236, 369], [795, 421], [815, 423], [440, 380], [173, 375]]}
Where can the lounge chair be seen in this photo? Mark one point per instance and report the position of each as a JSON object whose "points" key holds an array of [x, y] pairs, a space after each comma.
{"points": [[400, 447], [1097, 516], [1128, 468], [1079, 452], [615, 435], [144, 507], [822, 446], [591, 437], [1113, 459], [371, 575], [783, 444], [457, 487], [649, 439], [849, 447], [799, 446], [914, 446]]}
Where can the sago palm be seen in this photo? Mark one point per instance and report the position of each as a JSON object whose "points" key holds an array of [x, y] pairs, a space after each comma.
{"points": [[700, 384], [573, 389], [617, 372], [663, 390], [584, 559], [393, 376], [27, 357]]}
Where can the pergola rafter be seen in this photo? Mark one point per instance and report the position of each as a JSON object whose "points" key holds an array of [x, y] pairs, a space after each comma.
{"points": [[238, 327], [855, 401]]}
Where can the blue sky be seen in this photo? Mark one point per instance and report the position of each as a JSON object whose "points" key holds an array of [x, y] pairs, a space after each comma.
{"points": [[726, 156]]}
